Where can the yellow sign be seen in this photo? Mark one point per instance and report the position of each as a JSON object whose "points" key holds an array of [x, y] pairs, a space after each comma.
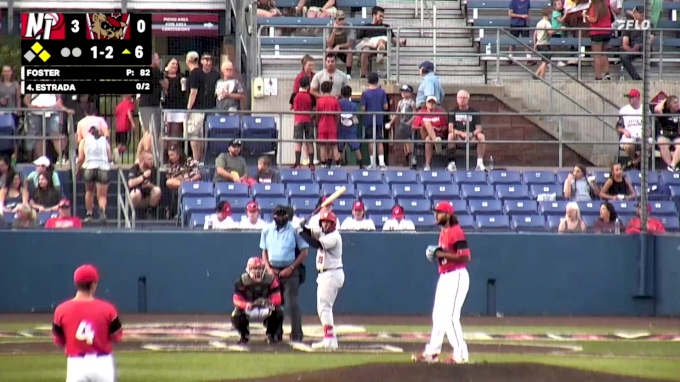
{"points": [[126, 51]]}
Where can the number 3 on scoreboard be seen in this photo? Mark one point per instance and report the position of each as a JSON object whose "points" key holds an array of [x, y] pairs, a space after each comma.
{"points": [[85, 333]]}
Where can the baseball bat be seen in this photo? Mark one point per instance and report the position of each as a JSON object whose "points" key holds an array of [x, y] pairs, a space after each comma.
{"points": [[329, 200]]}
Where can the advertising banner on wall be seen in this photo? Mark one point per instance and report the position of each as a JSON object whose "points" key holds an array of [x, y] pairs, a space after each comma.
{"points": [[186, 24]]}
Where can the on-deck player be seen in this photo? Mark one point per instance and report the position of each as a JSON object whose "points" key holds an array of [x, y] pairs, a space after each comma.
{"points": [[328, 242], [86, 326], [452, 256]]}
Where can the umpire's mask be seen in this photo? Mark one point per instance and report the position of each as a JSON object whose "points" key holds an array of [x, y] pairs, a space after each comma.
{"points": [[281, 216]]}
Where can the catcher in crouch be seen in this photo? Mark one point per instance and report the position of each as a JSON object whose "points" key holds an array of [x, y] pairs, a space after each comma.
{"points": [[257, 297]]}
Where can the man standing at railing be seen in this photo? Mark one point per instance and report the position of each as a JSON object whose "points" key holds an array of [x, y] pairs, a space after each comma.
{"points": [[430, 87], [150, 104]]}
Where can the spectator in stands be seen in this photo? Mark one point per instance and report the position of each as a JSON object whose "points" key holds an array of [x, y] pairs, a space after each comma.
{"points": [[252, 220], [180, 168], [331, 74], [201, 97], [319, 8], [25, 217], [342, 38], [229, 90], [150, 104], [618, 16], [518, 12], [654, 226], [10, 91], [267, 8], [307, 71], [617, 187], [12, 195], [347, 130], [327, 136], [303, 130], [632, 44], [430, 86], [91, 120], [374, 100], [46, 196], [432, 124], [5, 169], [64, 220], [94, 156], [608, 220], [265, 172], [42, 166], [143, 183], [52, 119], [580, 188], [465, 123], [125, 122], [231, 167], [398, 223], [221, 219], [541, 39], [358, 220], [175, 99], [668, 131], [572, 222], [403, 121], [373, 39], [557, 22], [80, 103], [629, 126], [599, 15]]}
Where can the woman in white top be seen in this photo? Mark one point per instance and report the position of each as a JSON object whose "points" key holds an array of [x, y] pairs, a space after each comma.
{"points": [[94, 156]]}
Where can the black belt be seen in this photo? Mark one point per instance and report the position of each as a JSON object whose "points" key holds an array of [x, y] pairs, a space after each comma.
{"points": [[328, 269], [97, 354]]}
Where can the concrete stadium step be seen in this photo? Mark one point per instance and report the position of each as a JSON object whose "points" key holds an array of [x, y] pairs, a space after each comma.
{"points": [[457, 76], [458, 44], [441, 61]]}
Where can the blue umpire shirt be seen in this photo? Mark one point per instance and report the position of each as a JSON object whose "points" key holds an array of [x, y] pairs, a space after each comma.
{"points": [[280, 244]]}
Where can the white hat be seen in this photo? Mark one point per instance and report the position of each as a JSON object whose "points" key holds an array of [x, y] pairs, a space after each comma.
{"points": [[347, 120], [42, 161], [431, 98]]}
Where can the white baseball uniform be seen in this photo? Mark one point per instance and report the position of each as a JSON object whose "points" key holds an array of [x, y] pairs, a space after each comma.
{"points": [[331, 276], [399, 225], [246, 224], [351, 224], [211, 221]]}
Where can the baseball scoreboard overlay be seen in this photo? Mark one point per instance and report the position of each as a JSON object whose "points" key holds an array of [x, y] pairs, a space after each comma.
{"points": [[86, 53]]}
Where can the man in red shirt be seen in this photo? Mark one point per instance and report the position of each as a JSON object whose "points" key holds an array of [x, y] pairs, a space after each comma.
{"points": [[328, 125], [432, 123], [654, 226], [303, 130], [452, 256], [125, 122], [64, 220], [85, 327]]}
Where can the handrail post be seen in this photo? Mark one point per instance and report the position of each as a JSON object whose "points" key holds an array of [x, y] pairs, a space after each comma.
{"points": [[118, 199], [561, 145], [374, 143], [397, 56], [389, 47], [550, 91], [467, 144], [498, 56], [660, 55], [422, 18], [579, 62], [434, 36]]}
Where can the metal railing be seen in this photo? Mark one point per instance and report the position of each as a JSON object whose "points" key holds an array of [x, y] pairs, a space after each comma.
{"points": [[126, 216]]}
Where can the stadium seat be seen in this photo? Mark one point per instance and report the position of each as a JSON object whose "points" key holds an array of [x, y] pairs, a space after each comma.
{"points": [[476, 191], [469, 177], [411, 191], [225, 189], [6, 130], [538, 189], [342, 217], [423, 222], [296, 176], [267, 204], [448, 191], [670, 178], [198, 220], [663, 208], [674, 192], [306, 190], [268, 190], [600, 176], [624, 207], [303, 205], [466, 221], [415, 206], [527, 223], [557, 208], [379, 219], [654, 192], [191, 204], [589, 208], [376, 190], [520, 207], [553, 222], [335, 175], [379, 205], [460, 206], [238, 204], [43, 216], [492, 222], [485, 207], [343, 206], [330, 188], [671, 223], [196, 189], [590, 221], [223, 127], [624, 220], [504, 177], [561, 176], [365, 176], [435, 177], [401, 176], [635, 177], [538, 177], [512, 191], [259, 127], [305, 21]]}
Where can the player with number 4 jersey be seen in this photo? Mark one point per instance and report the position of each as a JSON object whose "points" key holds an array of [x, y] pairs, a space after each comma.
{"points": [[85, 327]]}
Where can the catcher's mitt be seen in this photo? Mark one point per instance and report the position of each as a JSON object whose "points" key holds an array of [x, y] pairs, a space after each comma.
{"points": [[262, 303]]}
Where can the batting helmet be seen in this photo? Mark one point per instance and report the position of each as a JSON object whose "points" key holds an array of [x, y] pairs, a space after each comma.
{"points": [[328, 216], [256, 268]]}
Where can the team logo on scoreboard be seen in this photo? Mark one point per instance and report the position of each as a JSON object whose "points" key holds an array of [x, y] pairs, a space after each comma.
{"points": [[43, 26], [108, 26]]}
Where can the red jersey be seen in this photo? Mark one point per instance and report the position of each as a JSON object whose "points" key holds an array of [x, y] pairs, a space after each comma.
{"points": [[653, 226], [437, 118], [123, 123], [303, 102], [452, 240], [64, 223], [86, 327], [296, 83], [328, 122], [601, 22]]}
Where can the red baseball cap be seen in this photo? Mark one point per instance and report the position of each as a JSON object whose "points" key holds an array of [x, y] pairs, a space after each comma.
{"points": [[225, 208], [444, 207], [398, 212], [86, 274], [64, 203], [633, 93], [358, 206], [252, 207]]}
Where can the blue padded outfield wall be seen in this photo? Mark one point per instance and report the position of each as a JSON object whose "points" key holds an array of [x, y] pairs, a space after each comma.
{"points": [[386, 273]]}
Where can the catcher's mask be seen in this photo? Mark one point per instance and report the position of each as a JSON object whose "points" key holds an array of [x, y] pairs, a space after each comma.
{"points": [[256, 269], [281, 216], [328, 222]]}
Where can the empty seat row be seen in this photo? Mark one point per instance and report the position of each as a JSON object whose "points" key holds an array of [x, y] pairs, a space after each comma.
{"points": [[227, 127]]}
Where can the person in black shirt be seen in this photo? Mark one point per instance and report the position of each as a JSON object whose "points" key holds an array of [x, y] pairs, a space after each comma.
{"points": [[150, 104], [202, 85], [143, 183], [374, 38], [632, 43], [466, 123], [668, 128], [175, 99]]}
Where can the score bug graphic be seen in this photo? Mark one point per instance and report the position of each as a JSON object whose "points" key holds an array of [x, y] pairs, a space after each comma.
{"points": [[43, 26], [108, 26]]}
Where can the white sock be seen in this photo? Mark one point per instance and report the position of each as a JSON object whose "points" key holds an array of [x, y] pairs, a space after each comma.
{"points": [[480, 162], [372, 160], [381, 160]]}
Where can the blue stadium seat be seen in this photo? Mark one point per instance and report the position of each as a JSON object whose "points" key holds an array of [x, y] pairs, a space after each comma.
{"points": [[654, 192], [267, 204], [379, 219], [328, 175], [379, 205], [231, 190], [469, 177], [296, 176], [476, 191], [501, 4], [527, 222], [43, 216], [268, 190], [330, 188], [520, 207], [589, 208], [557, 208], [561, 176], [624, 220], [423, 222], [196, 189], [415, 206], [485, 207], [674, 192], [410, 191], [670, 178], [376, 190], [303, 205], [466, 221], [401, 176], [538, 177], [306, 190], [512, 191], [198, 219], [343, 206], [305, 21], [635, 177], [6, 130], [590, 221], [435, 177], [365, 176], [663, 208], [504, 177], [448, 191], [671, 223], [538, 189], [191, 204], [553, 222], [492, 222], [259, 128], [342, 217], [601, 176], [624, 207], [237, 204], [222, 127]]}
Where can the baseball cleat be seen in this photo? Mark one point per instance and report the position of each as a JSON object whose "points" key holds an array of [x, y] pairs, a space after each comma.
{"points": [[453, 361], [427, 358], [243, 341], [272, 339], [328, 344]]}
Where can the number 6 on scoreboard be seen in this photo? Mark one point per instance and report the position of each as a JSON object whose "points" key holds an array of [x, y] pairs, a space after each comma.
{"points": [[139, 51], [85, 333]]}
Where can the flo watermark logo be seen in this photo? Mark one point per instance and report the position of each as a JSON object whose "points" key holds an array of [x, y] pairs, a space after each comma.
{"points": [[637, 25]]}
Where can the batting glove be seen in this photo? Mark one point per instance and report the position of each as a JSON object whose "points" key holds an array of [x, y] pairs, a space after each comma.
{"points": [[429, 253]]}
